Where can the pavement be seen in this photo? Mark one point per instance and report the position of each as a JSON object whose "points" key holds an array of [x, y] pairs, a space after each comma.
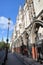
{"points": [[27, 60], [13, 60], [2, 56], [18, 59]]}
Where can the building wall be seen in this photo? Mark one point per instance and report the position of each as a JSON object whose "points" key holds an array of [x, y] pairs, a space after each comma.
{"points": [[25, 17], [38, 5], [40, 33]]}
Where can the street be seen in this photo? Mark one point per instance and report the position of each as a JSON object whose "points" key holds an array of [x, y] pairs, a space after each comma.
{"points": [[17, 59], [13, 60], [2, 55]]}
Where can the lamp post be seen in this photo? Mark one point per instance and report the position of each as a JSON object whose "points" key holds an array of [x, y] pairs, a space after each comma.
{"points": [[6, 51], [7, 40], [8, 30]]}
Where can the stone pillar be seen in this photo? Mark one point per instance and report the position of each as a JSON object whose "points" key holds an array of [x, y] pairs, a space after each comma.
{"points": [[18, 48], [32, 41], [25, 37], [34, 52]]}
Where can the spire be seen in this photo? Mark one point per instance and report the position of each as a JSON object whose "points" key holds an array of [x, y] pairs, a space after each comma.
{"points": [[20, 8], [27, 1]]}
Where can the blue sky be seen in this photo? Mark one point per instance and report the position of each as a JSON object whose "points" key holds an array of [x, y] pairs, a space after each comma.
{"points": [[8, 8]]}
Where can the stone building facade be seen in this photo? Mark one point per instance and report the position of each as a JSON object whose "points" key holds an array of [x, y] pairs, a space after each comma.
{"points": [[29, 26]]}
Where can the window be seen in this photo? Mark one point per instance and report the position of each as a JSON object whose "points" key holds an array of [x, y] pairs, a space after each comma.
{"points": [[41, 17], [38, 0], [20, 26]]}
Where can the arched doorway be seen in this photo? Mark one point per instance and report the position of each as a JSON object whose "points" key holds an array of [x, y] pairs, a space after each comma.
{"points": [[36, 48], [24, 49]]}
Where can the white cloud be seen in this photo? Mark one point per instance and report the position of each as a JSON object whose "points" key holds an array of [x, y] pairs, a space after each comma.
{"points": [[4, 28], [4, 23]]}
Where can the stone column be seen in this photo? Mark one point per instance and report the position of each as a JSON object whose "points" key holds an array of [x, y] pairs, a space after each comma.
{"points": [[32, 41]]}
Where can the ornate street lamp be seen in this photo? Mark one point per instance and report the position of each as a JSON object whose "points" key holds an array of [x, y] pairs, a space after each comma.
{"points": [[7, 38], [8, 30], [6, 51]]}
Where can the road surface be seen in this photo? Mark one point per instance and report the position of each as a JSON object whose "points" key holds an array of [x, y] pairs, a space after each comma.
{"points": [[17, 59], [2, 55], [13, 60]]}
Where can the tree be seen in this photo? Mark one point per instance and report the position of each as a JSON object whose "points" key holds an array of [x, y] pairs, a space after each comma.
{"points": [[3, 45]]}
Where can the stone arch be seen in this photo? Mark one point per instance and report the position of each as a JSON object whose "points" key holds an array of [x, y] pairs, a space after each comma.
{"points": [[35, 27], [38, 23], [24, 37], [34, 30]]}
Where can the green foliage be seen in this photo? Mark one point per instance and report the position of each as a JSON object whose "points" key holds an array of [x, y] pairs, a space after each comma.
{"points": [[3, 45]]}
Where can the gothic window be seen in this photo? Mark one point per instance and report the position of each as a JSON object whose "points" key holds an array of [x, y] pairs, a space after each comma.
{"points": [[41, 17], [39, 35], [20, 26], [38, 0]]}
